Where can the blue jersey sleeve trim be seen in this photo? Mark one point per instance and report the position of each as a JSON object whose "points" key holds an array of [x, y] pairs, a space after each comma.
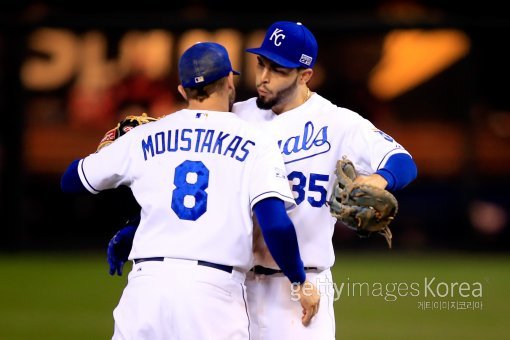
{"points": [[386, 155], [280, 236], [399, 171], [85, 178], [70, 181], [273, 194]]}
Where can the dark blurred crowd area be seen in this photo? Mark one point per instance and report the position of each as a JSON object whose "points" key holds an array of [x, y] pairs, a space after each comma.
{"points": [[433, 76]]}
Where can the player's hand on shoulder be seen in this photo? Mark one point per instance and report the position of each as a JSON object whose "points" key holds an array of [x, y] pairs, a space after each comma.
{"points": [[309, 297]]}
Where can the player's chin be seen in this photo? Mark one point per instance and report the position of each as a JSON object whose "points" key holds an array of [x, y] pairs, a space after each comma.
{"points": [[264, 103]]}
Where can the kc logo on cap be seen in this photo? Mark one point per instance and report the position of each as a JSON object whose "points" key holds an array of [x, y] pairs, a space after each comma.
{"points": [[288, 44], [277, 35]]}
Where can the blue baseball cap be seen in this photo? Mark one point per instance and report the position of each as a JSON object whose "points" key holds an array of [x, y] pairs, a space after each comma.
{"points": [[289, 44], [204, 63]]}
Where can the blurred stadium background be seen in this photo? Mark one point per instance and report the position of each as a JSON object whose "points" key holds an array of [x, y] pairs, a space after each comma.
{"points": [[432, 75]]}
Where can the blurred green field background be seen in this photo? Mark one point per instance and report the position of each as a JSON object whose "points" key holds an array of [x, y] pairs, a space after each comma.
{"points": [[71, 296]]}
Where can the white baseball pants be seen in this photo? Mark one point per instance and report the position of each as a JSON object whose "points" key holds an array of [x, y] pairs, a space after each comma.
{"points": [[179, 299]]}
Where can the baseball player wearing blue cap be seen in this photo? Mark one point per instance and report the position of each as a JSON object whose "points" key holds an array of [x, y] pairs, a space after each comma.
{"points": [[197, 175], [313, 134]]}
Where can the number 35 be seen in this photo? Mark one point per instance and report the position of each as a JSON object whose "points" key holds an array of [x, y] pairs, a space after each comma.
{"points": [[313, 186]]}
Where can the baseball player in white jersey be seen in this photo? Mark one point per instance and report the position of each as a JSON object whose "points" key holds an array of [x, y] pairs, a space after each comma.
{"points": [[312, 135], [197, 174]]}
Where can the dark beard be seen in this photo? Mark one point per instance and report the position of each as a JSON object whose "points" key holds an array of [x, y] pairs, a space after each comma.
{"points": [[266, 105], [280, 97]]}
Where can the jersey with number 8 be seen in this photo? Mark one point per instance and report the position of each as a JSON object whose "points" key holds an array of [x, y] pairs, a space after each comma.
{"points": [[179, 169]]}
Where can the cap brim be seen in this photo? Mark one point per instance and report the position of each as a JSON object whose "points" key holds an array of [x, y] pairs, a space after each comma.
{"points": [[273, 57]]}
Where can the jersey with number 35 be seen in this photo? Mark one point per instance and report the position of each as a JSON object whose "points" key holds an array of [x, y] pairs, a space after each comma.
{"points": [[311, 138], [196, 176]]}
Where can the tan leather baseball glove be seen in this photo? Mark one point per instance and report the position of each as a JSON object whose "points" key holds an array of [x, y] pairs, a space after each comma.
{"points": [[363, 208]]}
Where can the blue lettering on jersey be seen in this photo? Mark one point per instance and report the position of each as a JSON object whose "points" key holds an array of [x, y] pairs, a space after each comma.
{"points": [[245, 150], [197, 140], [173, 147], [306, 145], [232, 147], [186, 139], [385, 136], [160, 143], [147, 146], [199, 135], [206, 145], [219, 142]]}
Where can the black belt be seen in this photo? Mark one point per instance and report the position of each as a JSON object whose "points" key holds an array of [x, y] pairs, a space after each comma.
{"points": [[223, 267], [270, 271]]}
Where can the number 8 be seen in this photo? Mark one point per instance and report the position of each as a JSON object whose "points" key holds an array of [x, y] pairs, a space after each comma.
{"points": [[184, 188]]}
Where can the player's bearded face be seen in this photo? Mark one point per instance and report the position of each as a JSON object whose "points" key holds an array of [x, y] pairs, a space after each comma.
{"points": [[276, 97]]}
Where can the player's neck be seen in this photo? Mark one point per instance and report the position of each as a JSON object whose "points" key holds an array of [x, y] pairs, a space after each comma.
{"points": [[213, 103], [302, 95]]}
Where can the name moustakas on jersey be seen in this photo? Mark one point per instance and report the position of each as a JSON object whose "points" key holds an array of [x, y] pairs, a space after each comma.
{"points": [[197, 140]]}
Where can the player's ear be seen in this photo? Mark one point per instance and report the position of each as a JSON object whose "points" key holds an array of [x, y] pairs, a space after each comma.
{"points": [[306, 75], [231, 80], [182, 92]]}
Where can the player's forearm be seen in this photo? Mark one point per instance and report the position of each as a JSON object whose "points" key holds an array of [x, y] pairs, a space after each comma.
{"points": [[70, 181], [399, 171], [280, 237]]}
